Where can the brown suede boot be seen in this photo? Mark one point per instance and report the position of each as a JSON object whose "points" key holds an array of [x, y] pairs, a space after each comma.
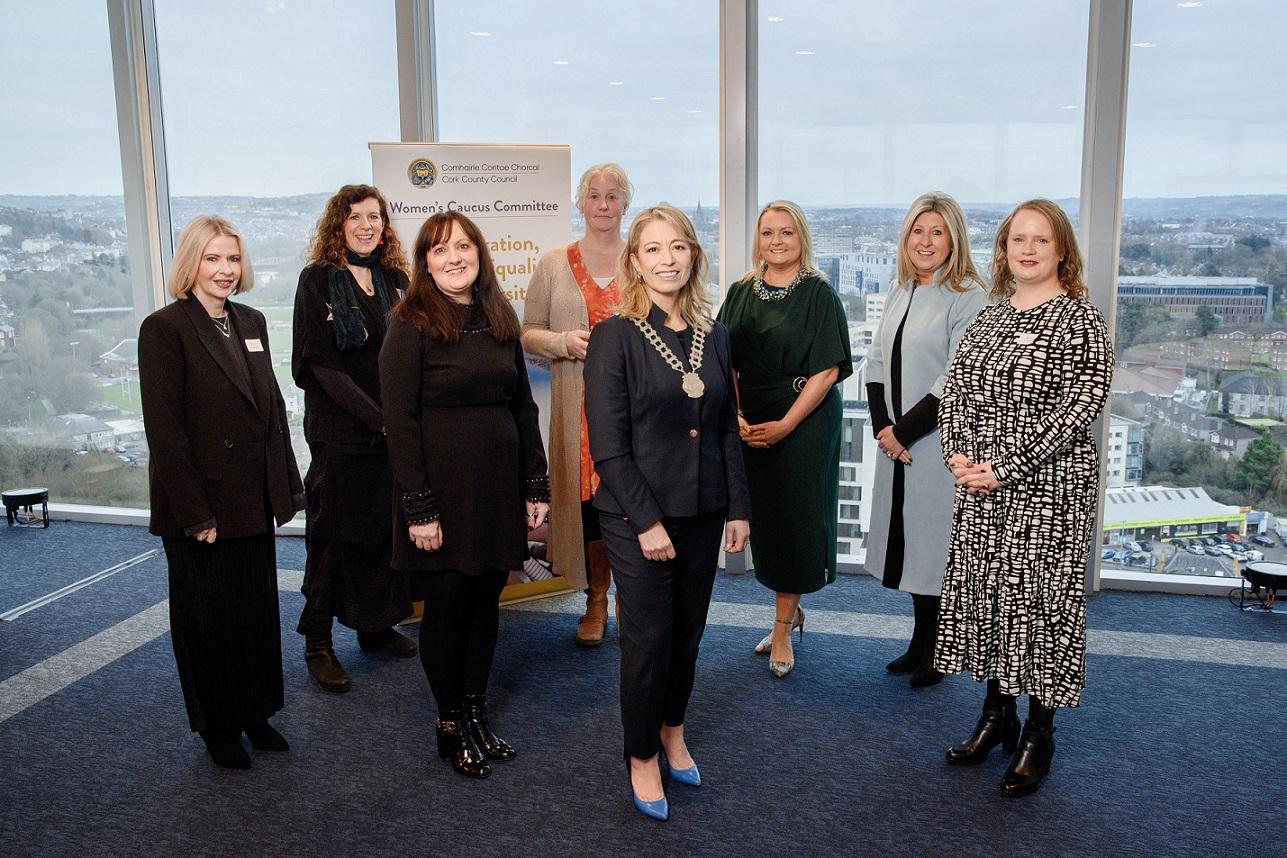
{"points": [[591, 628]]}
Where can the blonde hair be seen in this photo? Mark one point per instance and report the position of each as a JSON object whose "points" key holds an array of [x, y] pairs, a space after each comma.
{"points": [[959, 270], [192, 244], [801, 229], [1070, 264], [616, 173], [693, 304]]}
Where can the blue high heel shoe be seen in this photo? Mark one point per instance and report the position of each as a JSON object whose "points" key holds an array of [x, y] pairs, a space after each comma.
{"points": [[690, 776], [658, 810]]}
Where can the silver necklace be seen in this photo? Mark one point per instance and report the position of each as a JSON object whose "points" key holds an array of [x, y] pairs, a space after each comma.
{"points": [[776, 293], [223, 325], [691, 382]]}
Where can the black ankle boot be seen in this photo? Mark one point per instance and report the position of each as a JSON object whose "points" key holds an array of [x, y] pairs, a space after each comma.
{"points": [[906, 663], [998, 725], [927, 616], [1036, 749], [455, 743], [476, 725], [265, 738], [226, 749]]}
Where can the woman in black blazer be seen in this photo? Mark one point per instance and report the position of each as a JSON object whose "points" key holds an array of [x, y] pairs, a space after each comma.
{"points": [[356, 273], [662, 419], [222, 474]]}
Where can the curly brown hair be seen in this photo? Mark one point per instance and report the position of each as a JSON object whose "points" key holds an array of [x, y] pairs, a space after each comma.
{"points": [[328, 246], [1071, 277]]}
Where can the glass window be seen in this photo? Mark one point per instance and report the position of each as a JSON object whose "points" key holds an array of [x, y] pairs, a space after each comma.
{"points": [[1202, 269], [865, 106], [636, 84], [268, 111], [69, 412]]}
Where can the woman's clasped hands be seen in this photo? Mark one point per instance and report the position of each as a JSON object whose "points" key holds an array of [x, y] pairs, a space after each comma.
{"points": [[976, 477]]}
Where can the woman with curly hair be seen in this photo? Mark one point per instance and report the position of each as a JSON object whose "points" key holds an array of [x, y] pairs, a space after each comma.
{"points": [[355, 275]]}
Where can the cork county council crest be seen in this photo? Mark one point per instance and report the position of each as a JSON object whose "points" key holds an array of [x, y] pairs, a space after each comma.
{"points": [[422, 172]]}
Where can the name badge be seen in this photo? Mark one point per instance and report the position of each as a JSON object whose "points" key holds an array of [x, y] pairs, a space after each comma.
{"points": [[1025, 338], [256, 346]]}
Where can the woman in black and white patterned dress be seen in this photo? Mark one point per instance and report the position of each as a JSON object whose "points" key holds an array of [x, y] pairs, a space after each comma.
{"points": [[1030, 376]]}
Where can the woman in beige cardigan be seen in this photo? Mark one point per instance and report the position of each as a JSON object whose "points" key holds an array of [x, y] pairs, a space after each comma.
{"points": [[572, 290]]}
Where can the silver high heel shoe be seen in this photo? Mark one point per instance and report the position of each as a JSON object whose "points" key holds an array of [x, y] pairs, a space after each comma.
{"points": [[782, 668], [765, 646]]}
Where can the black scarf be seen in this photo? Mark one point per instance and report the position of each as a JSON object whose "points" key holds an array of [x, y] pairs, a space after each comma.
{"points": [[346, 317]]}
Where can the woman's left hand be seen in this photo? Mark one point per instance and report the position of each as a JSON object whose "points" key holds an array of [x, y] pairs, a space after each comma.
{"points": [[767, 434], [536, 513], [979, 479], [736, 533]]}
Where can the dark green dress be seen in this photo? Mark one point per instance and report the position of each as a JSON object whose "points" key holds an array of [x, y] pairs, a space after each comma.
{"points": [[795, 483]]}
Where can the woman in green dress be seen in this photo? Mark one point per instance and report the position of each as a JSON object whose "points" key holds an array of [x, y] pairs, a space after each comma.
{"points": [[790, 349]]}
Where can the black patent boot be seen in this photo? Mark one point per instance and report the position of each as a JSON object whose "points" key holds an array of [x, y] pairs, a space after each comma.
{"points": [[476, 725], [998, 725], [455, 744], [1036, 749]]}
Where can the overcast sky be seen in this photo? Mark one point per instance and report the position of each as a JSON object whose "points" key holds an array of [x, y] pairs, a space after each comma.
{"points": [[863, 102]]}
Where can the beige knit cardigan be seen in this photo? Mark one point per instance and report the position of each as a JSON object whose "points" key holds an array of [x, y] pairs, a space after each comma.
{"points": [[552, 307]]}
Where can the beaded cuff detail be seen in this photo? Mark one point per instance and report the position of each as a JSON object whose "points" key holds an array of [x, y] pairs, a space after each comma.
{"points": [[538, 489], [419, 507]]}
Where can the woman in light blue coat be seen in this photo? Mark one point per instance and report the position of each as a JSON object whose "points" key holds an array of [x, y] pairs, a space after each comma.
{"points": [[937, 295]]}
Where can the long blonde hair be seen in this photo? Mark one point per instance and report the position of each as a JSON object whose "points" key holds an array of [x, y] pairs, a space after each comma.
{"points": [[1071, 276], [796, 214], [959, 273], [693, 304], [192, 243]]}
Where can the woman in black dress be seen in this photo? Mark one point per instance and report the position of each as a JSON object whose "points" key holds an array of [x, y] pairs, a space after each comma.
{"points": [[222, 474], [355, 274], [662, 415], [468, 467]]}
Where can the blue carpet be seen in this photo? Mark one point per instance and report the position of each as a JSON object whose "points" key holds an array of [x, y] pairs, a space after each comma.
{"points": [[839, 758]]}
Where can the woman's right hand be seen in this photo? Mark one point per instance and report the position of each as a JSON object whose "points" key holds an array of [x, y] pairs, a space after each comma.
{"points": [[208, 535], [427, 536], [577, 342], [959, 464], [655, 543], [891, 447]]}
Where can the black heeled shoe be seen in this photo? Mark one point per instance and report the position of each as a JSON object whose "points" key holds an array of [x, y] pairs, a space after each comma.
{"points": [[998, 725], [455, 744], [225, 748], [480, 730], [265, 738], [907, 662], [1031, 763], [925, 675]]}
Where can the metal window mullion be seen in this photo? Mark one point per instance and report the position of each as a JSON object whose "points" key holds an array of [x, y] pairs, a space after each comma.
{"points": [[1100, 220], [739, 142], [137, 81], [417, 71]]}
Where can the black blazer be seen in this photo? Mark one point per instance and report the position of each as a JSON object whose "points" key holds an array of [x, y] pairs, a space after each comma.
{"points": [[659, 453], [219, 449]]}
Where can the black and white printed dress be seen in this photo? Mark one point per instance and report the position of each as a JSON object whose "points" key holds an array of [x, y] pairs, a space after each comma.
{"points": [[1022, 392]]}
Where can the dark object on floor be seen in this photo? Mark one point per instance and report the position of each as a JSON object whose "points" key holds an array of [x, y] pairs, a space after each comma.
{"points": [[265, 738], [388, 642], [18, 505], [226, 749], [326, 669]]}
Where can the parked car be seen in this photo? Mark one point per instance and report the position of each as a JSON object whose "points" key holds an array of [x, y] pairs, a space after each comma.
{"points": [[1107, 554], [1139, 558], [1211, 540], [1253, 555], [1233, 538], [1239, 555], [1131, 545], [1145, 545], [1263, 540], [1194, 548], [1212, 551], [1226, 550]]}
